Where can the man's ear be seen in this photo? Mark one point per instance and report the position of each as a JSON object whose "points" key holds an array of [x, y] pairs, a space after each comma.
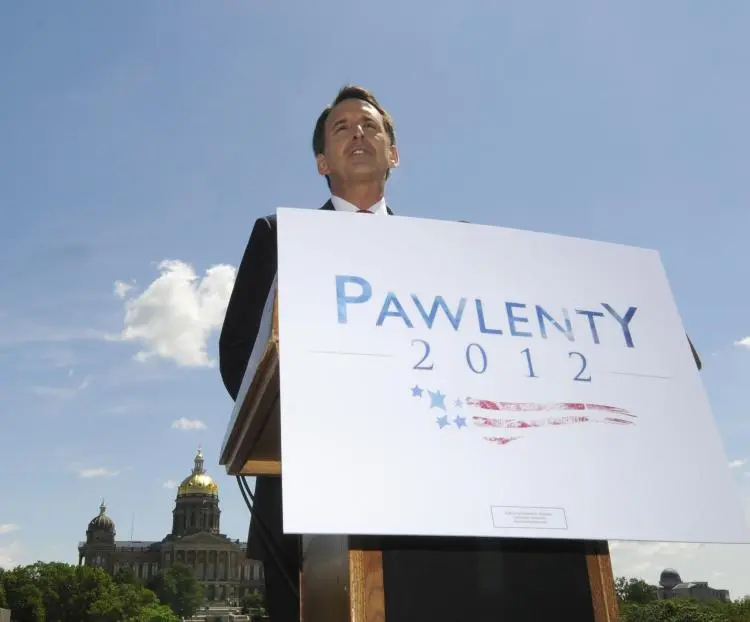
{"points": [[394, 156], [322, 164]]}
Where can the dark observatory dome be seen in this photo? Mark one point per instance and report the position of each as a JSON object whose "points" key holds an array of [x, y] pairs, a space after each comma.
{"points": [[669, 578], [102, 522]]}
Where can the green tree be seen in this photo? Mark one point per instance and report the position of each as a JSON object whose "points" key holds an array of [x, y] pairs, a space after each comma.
{"points": [[57, 592], [106, 607], [96, 595], [135, 598], [253, 602], [737, 611], [634, 591], [59, 587], [178, 587], [638, 603], [125, 575], [673, 610], [130, 603], [154, 613], [3, 599], [24, 598]]}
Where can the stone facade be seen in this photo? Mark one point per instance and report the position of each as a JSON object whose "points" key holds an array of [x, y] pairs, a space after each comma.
{"points": [[218, 561], [671, 585]]}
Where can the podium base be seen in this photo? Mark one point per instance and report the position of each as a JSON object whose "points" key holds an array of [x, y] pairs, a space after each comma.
{"points": [[367, 579]]}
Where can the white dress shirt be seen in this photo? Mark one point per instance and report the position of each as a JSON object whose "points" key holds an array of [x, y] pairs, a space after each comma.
{"points": [[340, 205]]}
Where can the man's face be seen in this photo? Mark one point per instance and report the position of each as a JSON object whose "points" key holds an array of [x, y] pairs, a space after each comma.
{"points": [[357, 145]]}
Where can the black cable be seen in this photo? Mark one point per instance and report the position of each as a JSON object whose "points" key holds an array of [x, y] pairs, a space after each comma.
{"points": [[265, 533]]}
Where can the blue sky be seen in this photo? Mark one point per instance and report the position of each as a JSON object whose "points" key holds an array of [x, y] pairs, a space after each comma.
{"points": [[134, 133]]}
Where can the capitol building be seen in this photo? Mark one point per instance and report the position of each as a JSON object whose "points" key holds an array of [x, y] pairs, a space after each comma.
{"points": [[219, 562]]}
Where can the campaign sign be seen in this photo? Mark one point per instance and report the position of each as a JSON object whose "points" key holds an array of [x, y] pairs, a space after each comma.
{"points": [[452, 379]]}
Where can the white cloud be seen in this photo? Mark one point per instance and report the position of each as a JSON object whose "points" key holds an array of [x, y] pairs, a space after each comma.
{"points": [[744, 343], [57, 357], [97, 472], [122, 288], [174, 317], [188, 424], [170, 483], [735, 464], [62, 392], [8, 527], [123, 408], [22, 333], [10, 555]]}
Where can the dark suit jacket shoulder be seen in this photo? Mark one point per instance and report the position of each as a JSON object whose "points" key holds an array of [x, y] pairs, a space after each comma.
{"points": [[249, 294], [251, 286]]}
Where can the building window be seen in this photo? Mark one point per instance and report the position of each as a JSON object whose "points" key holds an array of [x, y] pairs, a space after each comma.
{"points": [[154, 569]]}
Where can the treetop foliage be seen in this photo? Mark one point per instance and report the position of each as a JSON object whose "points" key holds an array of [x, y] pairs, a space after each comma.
{"points": [[639, 603], [58, 592]]}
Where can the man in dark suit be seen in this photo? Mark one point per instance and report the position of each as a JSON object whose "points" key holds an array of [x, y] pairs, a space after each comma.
{"points": [[354, 143]]}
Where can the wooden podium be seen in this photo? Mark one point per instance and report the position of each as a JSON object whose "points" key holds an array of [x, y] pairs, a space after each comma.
{"points": [[350, 578]]}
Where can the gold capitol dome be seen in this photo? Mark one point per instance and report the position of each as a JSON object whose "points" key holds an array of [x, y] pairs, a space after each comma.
{"points": [[198, 482]]}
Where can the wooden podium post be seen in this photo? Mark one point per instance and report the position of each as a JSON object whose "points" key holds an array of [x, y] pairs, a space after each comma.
{"points": [[352, 578]]}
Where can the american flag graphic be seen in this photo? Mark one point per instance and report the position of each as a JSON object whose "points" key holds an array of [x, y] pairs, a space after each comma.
{"points": [[505, 422]]}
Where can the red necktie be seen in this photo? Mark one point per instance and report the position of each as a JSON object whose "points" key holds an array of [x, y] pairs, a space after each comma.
{"points": [[364, 211]]}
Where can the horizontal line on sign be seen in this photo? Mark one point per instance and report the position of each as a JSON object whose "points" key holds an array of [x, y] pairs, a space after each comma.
{"points": [[632, 373], [350, 353]]}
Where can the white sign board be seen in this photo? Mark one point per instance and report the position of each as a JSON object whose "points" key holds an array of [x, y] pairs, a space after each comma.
{"points": [[451, 379]]}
